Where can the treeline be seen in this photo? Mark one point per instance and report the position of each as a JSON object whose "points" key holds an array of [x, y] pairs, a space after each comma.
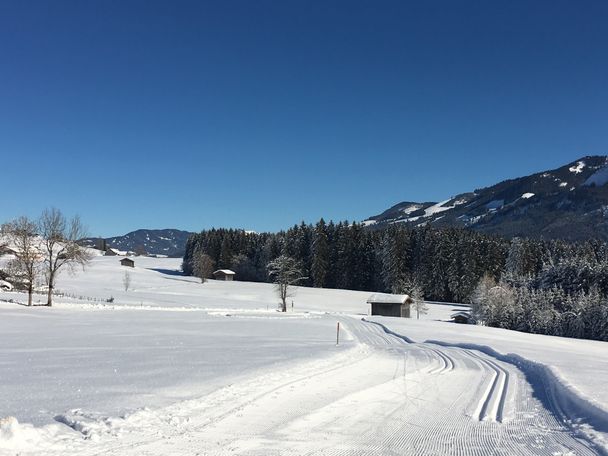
{"points": [[553, 288], [447, 264], [547, 287]]}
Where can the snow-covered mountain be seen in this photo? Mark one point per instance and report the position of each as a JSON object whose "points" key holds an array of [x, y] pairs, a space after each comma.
{"points": [[570, 202], [170, 242]]}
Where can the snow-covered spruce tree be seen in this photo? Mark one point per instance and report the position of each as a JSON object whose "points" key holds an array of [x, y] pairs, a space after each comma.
{"points": [[60, 245], [285, 272], [525, 257], [21, 233], [244, 268], [320, 255], [394, 252], [480, 300], [226, 253]]}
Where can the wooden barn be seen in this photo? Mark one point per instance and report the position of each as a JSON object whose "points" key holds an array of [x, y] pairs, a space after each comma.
{"points": [[224, 274], [462, 317], [390, 305], [127, 262]]}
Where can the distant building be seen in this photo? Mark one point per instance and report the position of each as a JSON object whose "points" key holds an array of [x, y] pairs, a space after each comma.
{"points": [[224, 274], [127, 262], [390, 305], [462, 317]]}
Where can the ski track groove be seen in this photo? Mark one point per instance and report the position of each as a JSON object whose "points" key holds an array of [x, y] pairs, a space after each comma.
{"points": [[387, 396]]}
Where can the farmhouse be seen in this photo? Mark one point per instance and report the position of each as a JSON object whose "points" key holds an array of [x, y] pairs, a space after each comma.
{"points": [[390, 305], [127, 262], [224, 274]]}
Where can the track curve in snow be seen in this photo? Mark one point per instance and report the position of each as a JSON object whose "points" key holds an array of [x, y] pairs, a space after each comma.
{"points": [[389, 396]]}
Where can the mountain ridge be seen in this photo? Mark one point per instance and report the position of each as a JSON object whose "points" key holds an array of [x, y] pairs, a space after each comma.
{"points": [[169, 241], [569, 202]]}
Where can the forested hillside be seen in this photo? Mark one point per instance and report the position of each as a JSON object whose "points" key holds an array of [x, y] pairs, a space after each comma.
{"points": [[570, 202], [550, 287]]}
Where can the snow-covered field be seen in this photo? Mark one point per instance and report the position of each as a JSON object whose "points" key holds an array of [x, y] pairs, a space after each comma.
{"points": [[173, 366]]}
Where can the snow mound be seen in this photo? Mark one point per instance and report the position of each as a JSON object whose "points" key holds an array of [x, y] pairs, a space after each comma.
{"points": [[9, 428], [16, 437], [598, 178]]}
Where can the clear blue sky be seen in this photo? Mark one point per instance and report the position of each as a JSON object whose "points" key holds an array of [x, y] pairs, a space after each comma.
{"points": [[260, 114]]}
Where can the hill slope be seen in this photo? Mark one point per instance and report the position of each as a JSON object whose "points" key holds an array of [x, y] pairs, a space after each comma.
{"points": [[570, 202]]}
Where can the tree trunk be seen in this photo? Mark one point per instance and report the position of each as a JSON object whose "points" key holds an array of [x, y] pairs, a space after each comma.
{"points": [[284, 297], [49, 301], [30, 292]]}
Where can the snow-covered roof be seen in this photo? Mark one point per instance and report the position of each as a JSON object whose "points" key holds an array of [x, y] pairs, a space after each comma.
{"points": [[461, 313], [117, 252], [225, 271], [384, 298]]}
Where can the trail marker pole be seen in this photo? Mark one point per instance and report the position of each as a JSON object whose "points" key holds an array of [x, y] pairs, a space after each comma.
{"points": [[338, 334]]}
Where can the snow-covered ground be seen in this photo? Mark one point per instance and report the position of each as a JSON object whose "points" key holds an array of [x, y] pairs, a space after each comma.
{"points": [[173, 366]]}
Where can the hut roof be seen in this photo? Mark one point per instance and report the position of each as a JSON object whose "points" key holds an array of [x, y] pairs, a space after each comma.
{"points": [[461, 313], [225, 271], [384, 298]]}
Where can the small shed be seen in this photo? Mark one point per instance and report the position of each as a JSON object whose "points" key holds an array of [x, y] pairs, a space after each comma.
{"points": [[224, 274], [462, 317], [390, 305], [127, 262]]}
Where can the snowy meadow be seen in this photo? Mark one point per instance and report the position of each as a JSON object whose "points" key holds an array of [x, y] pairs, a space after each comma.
{"points": [[174, 366]]}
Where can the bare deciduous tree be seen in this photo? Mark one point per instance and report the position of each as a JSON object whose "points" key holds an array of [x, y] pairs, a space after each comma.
{"points": [[22, 234], [202, 266], [285, 272], [126, 280], [60, 244]]}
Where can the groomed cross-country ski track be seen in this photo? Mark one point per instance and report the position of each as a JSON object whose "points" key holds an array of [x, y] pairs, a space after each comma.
{"points": [[388, 395]]}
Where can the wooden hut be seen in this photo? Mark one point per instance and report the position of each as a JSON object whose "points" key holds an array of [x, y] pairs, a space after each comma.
{"points": [[390, 305], [127, 262], [224, 274], [462, 317]]}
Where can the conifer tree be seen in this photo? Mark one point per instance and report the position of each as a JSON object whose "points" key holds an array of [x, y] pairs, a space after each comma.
{"points": [[320, 255]]}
